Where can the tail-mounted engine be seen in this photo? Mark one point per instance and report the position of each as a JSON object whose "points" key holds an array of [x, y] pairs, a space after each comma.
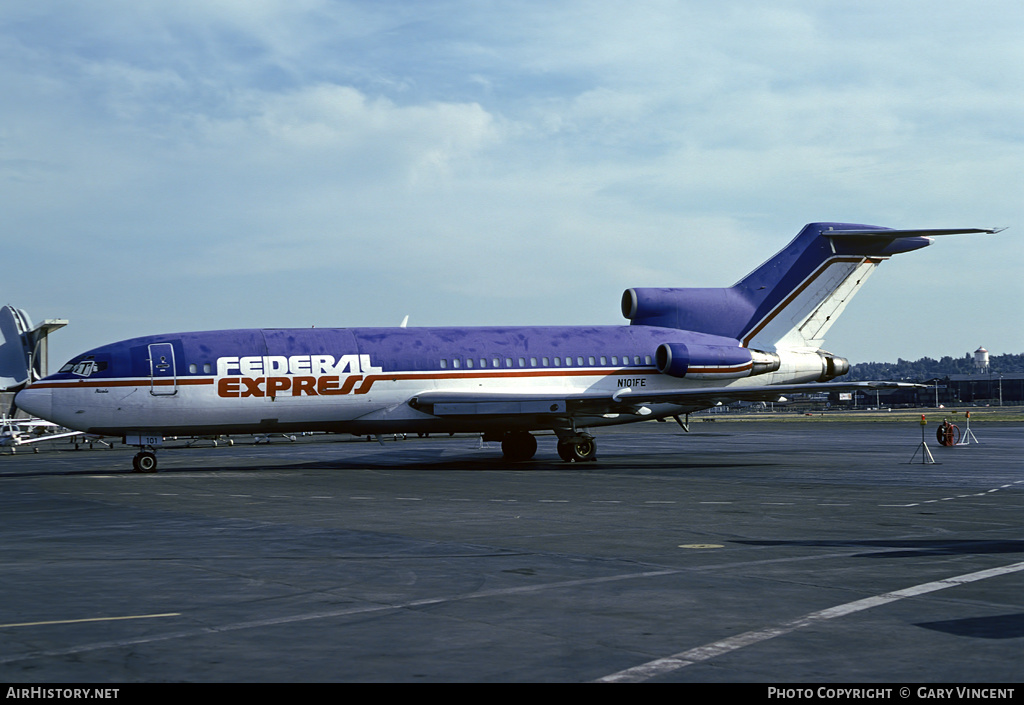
{"points": [[832, 366], [713, 361], [695, 361]]}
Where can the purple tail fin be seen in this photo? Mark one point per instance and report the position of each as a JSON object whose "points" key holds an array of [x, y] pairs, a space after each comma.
{"points": [[791, 300]]}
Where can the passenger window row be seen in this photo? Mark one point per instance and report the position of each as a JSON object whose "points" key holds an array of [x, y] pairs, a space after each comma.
{"points": [[495, 362]]}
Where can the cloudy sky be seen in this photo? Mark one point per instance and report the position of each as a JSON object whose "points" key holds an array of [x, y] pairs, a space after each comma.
{"points": [[195, 164]]}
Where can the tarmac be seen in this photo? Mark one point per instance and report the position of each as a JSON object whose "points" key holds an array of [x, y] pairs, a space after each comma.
{"points": [[752, 553]]}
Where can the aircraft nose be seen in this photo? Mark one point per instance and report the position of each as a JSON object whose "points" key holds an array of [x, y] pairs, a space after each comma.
{"points": [[38, 402]]}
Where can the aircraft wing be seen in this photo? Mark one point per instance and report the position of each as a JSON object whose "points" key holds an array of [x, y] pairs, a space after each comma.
{"points": [[21, 441], [627, 400], [710, 396]]}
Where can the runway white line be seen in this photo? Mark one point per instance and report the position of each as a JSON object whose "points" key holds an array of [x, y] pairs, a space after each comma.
{"points": [[89, 619], [661, 666], [677, 661], [329, 614]]}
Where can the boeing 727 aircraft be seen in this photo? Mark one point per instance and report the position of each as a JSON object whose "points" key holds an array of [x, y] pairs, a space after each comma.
{"points": [[683, 350]]}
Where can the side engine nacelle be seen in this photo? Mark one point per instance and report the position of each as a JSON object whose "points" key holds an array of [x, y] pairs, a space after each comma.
{"points": [[695, 361], [812, 366], [832, 366], [712, 361]]}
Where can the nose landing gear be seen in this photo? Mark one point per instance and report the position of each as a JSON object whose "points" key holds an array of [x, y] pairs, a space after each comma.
{"points": [[144, 461]]}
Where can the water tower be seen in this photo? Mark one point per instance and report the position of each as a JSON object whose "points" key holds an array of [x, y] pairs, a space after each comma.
{"points": [[981, 360]]}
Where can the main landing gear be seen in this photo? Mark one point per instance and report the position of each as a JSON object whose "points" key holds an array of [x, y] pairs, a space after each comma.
{"points": [[578, 448], [518, 446]]}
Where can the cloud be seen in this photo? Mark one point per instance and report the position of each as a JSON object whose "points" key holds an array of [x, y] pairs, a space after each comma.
{"points": [[482, 163]]}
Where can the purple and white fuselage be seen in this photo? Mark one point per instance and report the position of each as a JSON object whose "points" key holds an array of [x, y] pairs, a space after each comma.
{"points": [[684, 350]]}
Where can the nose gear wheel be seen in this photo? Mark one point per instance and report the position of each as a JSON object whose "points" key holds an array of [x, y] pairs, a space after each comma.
{"points": [[144, 462]]}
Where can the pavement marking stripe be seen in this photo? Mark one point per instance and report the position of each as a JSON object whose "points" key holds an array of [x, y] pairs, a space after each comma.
{"points": [[90, 619], [680, 660], [329, 614], [668, 664]]}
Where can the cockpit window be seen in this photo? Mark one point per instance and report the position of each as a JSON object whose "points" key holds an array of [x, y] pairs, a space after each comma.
{"points": [[84, 367]]}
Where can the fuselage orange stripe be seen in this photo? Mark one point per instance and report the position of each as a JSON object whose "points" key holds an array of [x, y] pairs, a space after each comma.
{"points": [[396, 376], [365, 383], [770, 316]]}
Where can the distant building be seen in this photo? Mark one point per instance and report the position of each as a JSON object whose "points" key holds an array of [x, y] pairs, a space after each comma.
{"points": [[951, 390], [986, 389]]}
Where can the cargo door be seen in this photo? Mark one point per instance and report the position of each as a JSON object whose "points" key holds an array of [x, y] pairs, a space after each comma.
{"points": [[163, 373]]}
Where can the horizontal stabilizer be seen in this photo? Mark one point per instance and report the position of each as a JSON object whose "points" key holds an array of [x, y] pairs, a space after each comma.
{"points": [[887, 234]]}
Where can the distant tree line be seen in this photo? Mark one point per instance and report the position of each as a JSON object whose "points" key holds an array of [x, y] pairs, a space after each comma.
{"points": [[930, 368]]}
